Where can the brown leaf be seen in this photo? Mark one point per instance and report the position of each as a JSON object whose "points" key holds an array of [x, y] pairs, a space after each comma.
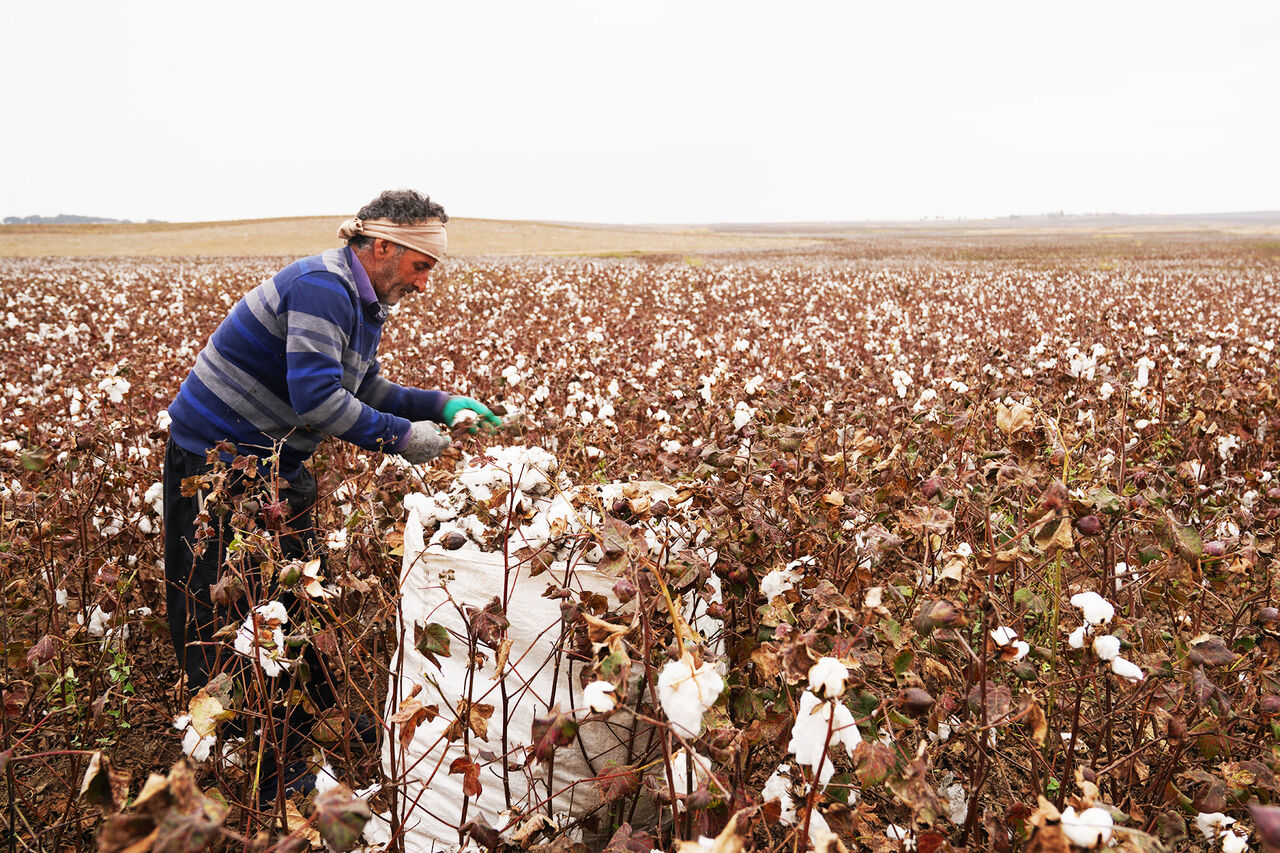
{"points": [[617, 782], [299, 828], [1046, 834], [1054, 533], [627, 840], [132, 833], [552, 731], [489, 623], [484, 834], [730, 840], [912, 788], [470, 773], [340, 816], [1211, 651], [1014, 419], [531, 826], [872, 761], [1035, 719], [999, 701], [193, 821], [410, 714], [926, 519]]}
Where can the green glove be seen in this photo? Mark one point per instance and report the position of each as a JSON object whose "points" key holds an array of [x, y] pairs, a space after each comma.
{"points": [[457, 404]]}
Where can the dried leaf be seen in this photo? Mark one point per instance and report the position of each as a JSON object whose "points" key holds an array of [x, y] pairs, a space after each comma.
{"points": [[489, 623], [872, 762], [552, 731], [340, 816], [730, 840], [1211, 651], [627, 840], [470, 773]]}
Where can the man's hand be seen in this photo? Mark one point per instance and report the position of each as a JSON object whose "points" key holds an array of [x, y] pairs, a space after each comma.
{"points": [[459, 404], [425, 442]]}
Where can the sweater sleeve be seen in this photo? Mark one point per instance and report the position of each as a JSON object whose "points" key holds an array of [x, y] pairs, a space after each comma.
{"points": [[415, 404], [318, 314]]}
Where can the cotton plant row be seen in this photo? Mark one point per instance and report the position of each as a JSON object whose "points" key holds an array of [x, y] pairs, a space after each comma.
{"points": [[658, 371]]}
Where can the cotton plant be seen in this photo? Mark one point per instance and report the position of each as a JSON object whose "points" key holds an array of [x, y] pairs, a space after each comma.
{"points": [[686, 691], [823, 721], [261, 638], [1097, 611], [1006, 639], [1217, 826]]}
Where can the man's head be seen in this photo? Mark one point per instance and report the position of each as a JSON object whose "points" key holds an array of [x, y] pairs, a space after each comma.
{"points": [[396, 270]]}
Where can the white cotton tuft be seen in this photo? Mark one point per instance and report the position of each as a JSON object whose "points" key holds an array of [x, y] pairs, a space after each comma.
{"points": [[599, 696], [1106, 647], [1004, 635], [686, 692], [827, 678], [1096, 609], [1125, 669], [1089, 828]]}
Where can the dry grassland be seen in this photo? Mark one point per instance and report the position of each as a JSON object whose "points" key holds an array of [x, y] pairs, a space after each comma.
{"points": [[309, 235]]}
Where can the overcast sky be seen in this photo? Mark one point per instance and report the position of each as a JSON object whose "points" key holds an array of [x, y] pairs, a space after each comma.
{"points": [[640, 112]]}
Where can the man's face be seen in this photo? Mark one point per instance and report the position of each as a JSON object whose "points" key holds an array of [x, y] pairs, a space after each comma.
{"points": [[399, 271]]}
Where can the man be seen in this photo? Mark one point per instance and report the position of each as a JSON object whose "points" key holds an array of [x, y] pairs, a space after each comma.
{"points": [[292, 363]]}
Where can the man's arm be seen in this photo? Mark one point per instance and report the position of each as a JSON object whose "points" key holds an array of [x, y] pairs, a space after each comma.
{"points": [[414, 404], [319, 312]]}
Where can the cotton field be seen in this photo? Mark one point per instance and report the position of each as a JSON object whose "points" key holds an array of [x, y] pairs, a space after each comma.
{"points": [[891, 547]]}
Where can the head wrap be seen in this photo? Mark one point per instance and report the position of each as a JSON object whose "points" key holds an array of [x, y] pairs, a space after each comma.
{"points": [[427, 237]]}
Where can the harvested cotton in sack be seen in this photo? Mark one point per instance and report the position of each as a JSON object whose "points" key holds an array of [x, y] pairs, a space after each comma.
{"points": [[501, 572]]}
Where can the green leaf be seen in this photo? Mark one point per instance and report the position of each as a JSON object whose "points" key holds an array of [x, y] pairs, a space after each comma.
{"points": [[1105, 500], [431, 640], [903, 662]]}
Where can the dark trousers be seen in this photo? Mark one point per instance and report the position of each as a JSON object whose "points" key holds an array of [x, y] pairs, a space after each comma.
{"points": [[191, 572]]}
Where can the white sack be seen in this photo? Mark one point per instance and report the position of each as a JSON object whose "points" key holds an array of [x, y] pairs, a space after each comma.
{"points": [[431, 799]]}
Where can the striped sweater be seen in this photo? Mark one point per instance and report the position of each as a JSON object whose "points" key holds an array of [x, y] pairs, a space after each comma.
{"points": [[293, 362]]}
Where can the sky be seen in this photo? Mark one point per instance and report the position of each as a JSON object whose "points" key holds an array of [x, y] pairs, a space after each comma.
{"points": [[695, 111]]}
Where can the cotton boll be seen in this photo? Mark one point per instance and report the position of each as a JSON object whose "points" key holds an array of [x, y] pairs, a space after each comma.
{"points": [[686, 692], [1125, 669], [809, 734], [778, 787], [1076, 640], [827, 678], [326, 779], [1232, 843], [680, 776], [1097, 610], [776, 582], [193, 744], [1089, 828], [1106, 647], [1210, 823], [1004, 635], [599, 697]]}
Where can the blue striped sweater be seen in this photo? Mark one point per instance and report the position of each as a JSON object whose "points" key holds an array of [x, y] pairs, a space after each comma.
{"points": [[295, 361]]}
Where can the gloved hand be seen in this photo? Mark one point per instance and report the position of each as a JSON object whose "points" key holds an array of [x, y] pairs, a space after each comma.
{"points": [[426, 442], [457, 404]]}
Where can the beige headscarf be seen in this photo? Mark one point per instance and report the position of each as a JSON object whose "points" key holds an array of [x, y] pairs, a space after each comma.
{"points": [[427, 237]]}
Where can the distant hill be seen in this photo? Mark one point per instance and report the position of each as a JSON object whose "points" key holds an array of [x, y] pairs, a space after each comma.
{"points": [[66, 219]]}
